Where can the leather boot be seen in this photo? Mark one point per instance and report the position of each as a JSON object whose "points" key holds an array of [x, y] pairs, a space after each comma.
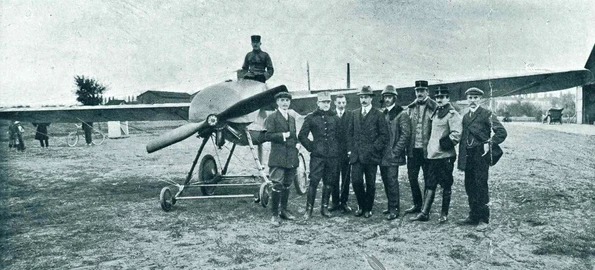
{"points": [[416, 208], [310, 197], [326, 194], [285, 214], [275, 198], [445, 205], [424, 215]]}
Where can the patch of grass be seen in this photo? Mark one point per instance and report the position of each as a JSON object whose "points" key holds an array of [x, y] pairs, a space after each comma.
{"points": [[458, 252], [578, 246]]}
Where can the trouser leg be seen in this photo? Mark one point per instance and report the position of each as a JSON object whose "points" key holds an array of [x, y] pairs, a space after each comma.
{"points": [[414, 164], [345, 181], [370, 171], [357, 177], [389, 176]]}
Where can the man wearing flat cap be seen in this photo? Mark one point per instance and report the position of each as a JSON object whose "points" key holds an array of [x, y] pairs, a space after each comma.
{"points": [[420, 112], [476, 154], [399, 130], [441, 154], [324, 151], [257, 63], [367, 138], [283, 157]]}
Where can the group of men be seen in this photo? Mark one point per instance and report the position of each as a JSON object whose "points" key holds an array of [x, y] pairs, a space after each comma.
{"points": [[349, 146]]}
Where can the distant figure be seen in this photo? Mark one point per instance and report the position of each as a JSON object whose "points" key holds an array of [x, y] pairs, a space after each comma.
{"points": [[88, 129], [41, 134], [367, 138], [257, 63], [15, 132], [283, 157]]}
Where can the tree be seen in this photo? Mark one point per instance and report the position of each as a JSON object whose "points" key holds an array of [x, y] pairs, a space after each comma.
{"points": [[89, 91]]}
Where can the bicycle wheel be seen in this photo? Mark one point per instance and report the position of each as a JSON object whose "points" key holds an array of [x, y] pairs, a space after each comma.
{"points": [[72, 139], [98, 136]]}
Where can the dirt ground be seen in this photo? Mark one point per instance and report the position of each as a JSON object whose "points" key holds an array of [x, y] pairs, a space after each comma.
{"points": [[97, 208]]}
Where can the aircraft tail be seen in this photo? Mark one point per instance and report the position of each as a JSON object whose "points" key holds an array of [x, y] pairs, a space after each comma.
{"points": [[590, 65]]}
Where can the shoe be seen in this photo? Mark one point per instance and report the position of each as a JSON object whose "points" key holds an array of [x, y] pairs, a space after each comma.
{"points": [[285, 214], [325, 212], [443, 219], [368, 214], [392, 216], [359, 212], [308, 213], [482, 226], [420, 217], [346, 208], [385, 212], [334, 207], [467, 221], [413, 209], [275, 221]]}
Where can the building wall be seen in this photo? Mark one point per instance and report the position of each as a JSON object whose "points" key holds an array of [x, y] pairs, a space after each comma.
{"points": [[589, 104]]}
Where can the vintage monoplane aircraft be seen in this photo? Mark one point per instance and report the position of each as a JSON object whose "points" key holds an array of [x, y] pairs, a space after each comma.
{"points": [[231, 111]]}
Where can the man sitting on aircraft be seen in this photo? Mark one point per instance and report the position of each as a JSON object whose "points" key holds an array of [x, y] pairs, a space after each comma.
{"points": [[257, 63], [324, 151], [283, 157]]}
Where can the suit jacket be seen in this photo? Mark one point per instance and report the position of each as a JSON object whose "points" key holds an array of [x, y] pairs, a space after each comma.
{"points": [[399, 129], [367, 137], [323, 126], [283, 152], [477, 131], [343, 127], [426, 124]]}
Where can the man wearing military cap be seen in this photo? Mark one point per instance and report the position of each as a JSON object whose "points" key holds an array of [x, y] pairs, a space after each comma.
{"points": [[257, 63], [324, 151], [283, 157], [399, 130], [441, 154], [476, 156], [420, 112], [366, 140]]}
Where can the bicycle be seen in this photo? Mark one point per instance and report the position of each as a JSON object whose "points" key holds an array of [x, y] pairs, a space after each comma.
{"points": [[98, 137]]}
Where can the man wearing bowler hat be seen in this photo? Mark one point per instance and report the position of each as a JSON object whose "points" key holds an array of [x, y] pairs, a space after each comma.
{"points": [[283, 157], [366, 140], [324, 151], [399, 130], [257, 64], [476, 156], [420, 112], [446, 133]]}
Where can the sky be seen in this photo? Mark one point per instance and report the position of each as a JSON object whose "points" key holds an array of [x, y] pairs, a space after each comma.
{"points": [[133, 46]]}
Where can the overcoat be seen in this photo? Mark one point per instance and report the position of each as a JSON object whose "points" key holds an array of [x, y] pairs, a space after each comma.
{"points": [[399, 129], [367, 137], [477, 131], [283, 152], [426, 124]]}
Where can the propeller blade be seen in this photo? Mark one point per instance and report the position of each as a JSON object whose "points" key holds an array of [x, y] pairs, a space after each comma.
{"points": [[174, 136], [252, 103]]}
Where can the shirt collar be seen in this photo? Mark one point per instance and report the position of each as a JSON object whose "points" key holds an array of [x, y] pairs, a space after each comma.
{"points": [[367, 108], [390, 107], [473, 110]]}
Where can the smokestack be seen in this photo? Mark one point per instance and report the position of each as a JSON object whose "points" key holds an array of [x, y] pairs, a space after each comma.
{"points": [[348, 77]]}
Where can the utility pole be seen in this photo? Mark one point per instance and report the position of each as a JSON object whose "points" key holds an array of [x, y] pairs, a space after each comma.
{"points": [[348, 77], [308, 71]]}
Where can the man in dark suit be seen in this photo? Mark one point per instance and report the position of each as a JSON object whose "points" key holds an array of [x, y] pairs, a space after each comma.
{"points": [[283, 157], [399, 129], [340, 190], [475, 156], [367, 138], [324, 151]]}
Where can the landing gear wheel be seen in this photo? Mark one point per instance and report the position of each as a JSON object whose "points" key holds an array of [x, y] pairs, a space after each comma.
{"points": [[72, 139], [166, 200], [264, 194], [208, 174], [301, 181]]}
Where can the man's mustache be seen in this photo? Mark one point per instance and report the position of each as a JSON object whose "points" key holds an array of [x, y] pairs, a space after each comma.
{"points": [[472, 103]]}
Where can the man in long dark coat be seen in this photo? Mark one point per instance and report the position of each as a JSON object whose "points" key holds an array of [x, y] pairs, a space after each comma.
{"points": [[476, 155], [340, 193]]}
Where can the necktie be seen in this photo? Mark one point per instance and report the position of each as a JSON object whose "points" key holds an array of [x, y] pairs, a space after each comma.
{"points": [[364, 112]]}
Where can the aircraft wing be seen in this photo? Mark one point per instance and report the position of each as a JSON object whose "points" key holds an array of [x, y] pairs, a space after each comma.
{"points": [[99, 113], [305, 102]]}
